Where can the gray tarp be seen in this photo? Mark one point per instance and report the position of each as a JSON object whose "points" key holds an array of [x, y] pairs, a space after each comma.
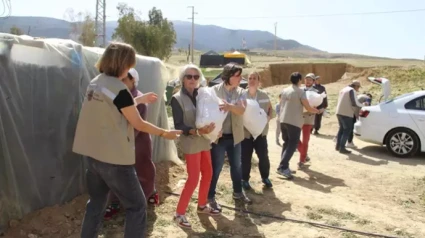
{"points": [[42, 84]]}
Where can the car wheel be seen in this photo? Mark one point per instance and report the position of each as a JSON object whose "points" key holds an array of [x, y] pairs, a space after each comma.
{"points": [[402, 143]]}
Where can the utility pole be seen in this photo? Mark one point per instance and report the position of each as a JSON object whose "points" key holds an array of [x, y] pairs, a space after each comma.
{"points": [[275, 38], [100, 23], [193, 33]]}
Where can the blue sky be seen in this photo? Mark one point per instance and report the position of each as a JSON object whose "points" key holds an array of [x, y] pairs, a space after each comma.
{"points": [[400, 35]]}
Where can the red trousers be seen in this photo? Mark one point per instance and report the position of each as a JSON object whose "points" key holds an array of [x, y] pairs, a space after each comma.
{"points": [[303, 144], [197, 165]]}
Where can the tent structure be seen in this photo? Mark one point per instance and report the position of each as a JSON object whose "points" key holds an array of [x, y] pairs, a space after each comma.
{"points": [[42, 86], [236, 57], [218, 80], [211, 59]]}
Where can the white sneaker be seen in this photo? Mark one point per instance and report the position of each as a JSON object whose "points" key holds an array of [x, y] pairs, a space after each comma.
{"points": [[350, 145]]}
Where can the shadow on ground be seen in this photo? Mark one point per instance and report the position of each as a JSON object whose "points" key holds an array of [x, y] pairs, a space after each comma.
{"points": [[318, 181], [381, 153]]}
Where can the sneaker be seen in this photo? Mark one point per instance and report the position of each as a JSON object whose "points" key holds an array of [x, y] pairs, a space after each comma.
{"points": [[242, 197], [111, 210], [301, 165], [267, 183], [246, 185], [344, 151], [287, 173], [154, 199], [182, 221], [207, 210], [350, 145], [316, 132], [307, 159], [214, 205]]}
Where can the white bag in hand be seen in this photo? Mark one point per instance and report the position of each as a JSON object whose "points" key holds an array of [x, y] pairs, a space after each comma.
{"points": [[315, 99], [254, 118], [208, 111]]}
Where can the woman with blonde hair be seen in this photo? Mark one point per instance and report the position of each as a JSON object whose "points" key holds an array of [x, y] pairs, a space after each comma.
{"points": [[195, 147], [105, 135], [260, 143]]}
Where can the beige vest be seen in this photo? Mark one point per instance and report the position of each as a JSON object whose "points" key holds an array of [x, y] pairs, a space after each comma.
{"points": [[237, 121], [102, 131], [263, 99], [190, 144], [344, 106]]}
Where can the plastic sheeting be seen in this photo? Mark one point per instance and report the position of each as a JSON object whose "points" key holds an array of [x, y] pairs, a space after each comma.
{"points": [[42, 84]]}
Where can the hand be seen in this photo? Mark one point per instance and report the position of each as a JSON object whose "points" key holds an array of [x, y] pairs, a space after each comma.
{"points": [[220, 134], [314, 110], [147, 98], [206, 129], [225, 107], [171, 134]]}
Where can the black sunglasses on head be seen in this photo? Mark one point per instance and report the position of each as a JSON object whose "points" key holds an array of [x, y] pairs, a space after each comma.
{"points": [[189, 76]]}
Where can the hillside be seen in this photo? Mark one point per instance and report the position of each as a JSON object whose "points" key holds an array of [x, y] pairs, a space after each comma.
{"points": [[223, 39]]}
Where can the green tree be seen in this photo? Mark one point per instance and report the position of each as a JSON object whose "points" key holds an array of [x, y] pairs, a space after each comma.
{"points": [[82, 27], [154, 37], [16, 31], [88, 31]]}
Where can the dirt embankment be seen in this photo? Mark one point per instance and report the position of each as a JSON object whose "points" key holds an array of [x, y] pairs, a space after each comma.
{"points": [[278, 74]]}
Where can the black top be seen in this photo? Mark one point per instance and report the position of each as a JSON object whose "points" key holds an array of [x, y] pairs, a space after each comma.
{"points": [[178, 112], [123, 99]]}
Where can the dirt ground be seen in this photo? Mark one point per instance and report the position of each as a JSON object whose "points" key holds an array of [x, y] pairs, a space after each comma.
{"points": [[368, 191]]}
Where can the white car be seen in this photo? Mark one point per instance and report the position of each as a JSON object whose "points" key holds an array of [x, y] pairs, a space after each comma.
{"points": [[398, 123]]}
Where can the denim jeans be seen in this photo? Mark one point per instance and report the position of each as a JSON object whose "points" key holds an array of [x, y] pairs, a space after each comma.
{"points": [[351, 136], [261, 149], [123, 182], [345, 127], [291, 136], [225, 144]]}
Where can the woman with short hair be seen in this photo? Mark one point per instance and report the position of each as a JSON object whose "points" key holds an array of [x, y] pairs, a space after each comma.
{"points": [[195, 147], [105, 135], [232, 133]]}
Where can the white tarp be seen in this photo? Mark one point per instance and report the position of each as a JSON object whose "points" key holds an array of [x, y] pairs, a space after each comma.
{"points": [[42, 84]]}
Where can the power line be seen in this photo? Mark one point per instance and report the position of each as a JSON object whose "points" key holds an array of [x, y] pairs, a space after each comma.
{"points": [[320, 15]]}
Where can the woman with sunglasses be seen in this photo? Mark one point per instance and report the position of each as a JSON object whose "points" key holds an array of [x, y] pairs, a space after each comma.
{"points": [[195, 148], [145, 168]]}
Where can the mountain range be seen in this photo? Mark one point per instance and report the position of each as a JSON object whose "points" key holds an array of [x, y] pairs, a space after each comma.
{"points": [[207, 37]]}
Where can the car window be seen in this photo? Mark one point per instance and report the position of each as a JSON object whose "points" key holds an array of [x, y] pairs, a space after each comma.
{"points": [[416, 104], [399, 97]]}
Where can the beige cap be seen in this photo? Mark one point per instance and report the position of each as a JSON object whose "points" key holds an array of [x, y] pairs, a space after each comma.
{"points": [[311, 75], [356, 83]]}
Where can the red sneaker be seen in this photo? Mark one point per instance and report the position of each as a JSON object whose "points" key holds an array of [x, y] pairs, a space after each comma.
{"points": [[154, 199]]}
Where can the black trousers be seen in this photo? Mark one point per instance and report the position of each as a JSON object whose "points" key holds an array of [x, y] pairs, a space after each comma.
{"points": [[318, 121], [261, 149], [291, 136]]}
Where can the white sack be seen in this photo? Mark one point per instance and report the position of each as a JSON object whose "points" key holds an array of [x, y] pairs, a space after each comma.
{"points": [[208, 111], [315, 99], [254, 118]]}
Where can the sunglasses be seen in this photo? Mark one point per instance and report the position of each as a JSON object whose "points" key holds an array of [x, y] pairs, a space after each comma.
{"points": [[189, 76]]}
